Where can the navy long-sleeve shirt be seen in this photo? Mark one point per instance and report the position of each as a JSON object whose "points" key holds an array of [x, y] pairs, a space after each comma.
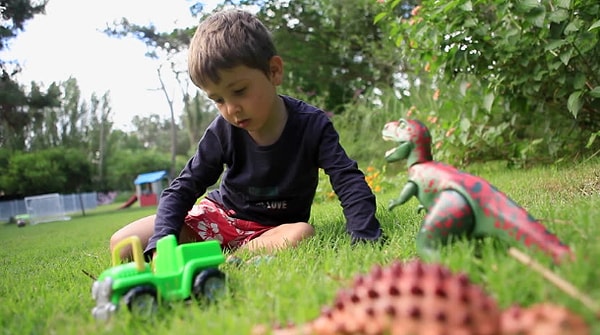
{"points": [[272, 184]]}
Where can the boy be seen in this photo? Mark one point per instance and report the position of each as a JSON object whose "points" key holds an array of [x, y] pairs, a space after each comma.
{"points": [[271, 145]]}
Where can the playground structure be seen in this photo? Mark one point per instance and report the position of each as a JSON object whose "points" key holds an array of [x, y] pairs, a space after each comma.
{"points": [[148, 187], [132, 200]]}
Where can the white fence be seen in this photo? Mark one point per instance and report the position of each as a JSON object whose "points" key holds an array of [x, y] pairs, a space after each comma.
{"points": [[72, 203]]}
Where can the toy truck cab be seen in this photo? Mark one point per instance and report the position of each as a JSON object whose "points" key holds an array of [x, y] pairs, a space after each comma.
{"points": [[179, 272]]}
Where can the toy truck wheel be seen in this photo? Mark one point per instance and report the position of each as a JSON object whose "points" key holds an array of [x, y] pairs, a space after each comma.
{"points": [[141, 301], [209, 285]]}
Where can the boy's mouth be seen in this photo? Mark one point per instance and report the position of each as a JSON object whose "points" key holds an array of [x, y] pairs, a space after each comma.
{"points": [[242, 123]]}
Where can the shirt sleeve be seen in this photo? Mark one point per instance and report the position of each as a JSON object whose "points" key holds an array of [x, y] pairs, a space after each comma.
{"points": [[348, 182], [201, 171]]}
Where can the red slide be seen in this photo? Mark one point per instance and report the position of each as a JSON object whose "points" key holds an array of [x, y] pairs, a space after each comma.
{"points": [[129, 202]]}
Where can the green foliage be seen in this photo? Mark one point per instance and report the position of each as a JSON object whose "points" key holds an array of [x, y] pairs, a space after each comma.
{"points": [[172, 42], [469, 124], [47, 171], [361, 124], [46, 287], [376, 178], [154, 132], [538, 59], [21, 110]]}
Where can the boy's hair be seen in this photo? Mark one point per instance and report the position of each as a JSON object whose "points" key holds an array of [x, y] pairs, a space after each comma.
{"points": [[228, 39]]}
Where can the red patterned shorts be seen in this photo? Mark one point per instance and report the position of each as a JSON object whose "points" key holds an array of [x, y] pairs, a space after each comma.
{"points": [[210, 221]]}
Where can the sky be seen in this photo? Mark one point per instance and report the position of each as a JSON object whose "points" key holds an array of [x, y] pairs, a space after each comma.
{"points": [[68, 42]]}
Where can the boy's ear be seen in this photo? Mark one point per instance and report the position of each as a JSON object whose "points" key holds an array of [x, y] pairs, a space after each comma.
{"points": [[276, 70]]}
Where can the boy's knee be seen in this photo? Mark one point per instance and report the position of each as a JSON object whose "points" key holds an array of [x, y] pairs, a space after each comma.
{"points": [[114, 240], [302, 230], [307, 229]]}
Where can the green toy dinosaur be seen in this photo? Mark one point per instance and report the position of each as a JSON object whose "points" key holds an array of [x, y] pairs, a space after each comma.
{"points": [[457, 203]]}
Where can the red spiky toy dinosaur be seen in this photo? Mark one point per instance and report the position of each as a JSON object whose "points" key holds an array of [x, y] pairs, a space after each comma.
{"points": [[416, 298], [458, 203]]}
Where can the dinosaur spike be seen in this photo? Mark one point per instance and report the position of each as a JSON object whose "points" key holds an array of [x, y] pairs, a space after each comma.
{"points": [[327, 312], [390, 310], [394, 291], [371, 293], [377, 272], [463, 280], [396, 269], [441, 273], [417, 291], [359, 280], [441, 317], [464, 298], [415, 313]]}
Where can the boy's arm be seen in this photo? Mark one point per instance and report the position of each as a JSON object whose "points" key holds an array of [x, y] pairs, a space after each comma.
{"points": [[200, 172], [348, 182]]}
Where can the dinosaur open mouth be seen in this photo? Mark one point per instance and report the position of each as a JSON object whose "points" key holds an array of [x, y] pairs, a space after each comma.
{"points": [[398, 144], [390, 137], [394, 149]]}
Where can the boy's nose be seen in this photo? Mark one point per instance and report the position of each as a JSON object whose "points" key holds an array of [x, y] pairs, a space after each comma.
{"points": [[232, 108]]}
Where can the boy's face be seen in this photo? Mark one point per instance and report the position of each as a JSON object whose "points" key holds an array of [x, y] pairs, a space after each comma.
{"points": [[246, 97]]}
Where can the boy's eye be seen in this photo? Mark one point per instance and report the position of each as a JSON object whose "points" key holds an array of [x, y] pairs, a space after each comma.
{"points": [[239, 91]]}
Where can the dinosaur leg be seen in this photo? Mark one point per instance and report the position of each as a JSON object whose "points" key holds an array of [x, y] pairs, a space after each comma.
{"points": [[450, 216]]}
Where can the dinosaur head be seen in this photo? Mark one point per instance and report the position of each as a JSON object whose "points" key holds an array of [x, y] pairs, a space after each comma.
{"points": [[413, 138]]}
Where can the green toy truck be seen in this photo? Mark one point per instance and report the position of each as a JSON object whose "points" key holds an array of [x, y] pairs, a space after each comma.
{"points": [[178, 272]]}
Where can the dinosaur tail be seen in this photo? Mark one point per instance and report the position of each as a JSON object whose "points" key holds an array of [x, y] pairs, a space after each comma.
{"points": [[532, 233]]}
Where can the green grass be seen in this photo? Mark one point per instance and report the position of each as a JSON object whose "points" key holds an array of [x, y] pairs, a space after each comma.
{"points": [[44, 288]]}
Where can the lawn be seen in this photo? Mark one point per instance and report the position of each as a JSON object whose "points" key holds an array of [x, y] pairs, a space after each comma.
{"points": [[45, 286]]}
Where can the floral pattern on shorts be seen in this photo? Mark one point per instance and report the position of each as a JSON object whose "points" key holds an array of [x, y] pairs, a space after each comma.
{"points": [[210, 221]]}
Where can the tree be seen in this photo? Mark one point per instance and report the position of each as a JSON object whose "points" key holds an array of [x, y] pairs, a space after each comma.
{"points": [[14, 14], [22, 111], [15, 103], [66, 123], [198, 114], [98, 134], [60, 170], [160, 45], [331, 49], [128, 164]]}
